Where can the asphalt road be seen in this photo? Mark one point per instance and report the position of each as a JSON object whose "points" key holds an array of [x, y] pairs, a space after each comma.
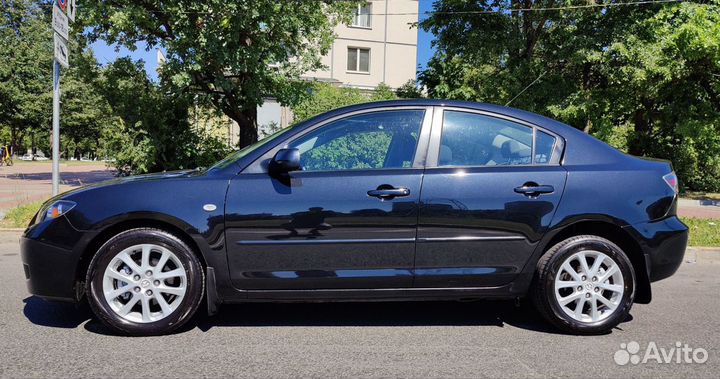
{"points": [[480, 339]]}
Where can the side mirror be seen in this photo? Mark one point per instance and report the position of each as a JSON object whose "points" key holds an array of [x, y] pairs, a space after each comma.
{"points": [[285, 160]]}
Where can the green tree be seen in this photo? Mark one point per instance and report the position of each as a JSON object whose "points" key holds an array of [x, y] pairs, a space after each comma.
{"points": [[236, 53], [645, 78], [85, 112], [154, 132], [325, 97], [409, 90], [25, 70]]}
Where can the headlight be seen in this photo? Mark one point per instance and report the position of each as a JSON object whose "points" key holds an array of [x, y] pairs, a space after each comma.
{"points": [[54, 210]]}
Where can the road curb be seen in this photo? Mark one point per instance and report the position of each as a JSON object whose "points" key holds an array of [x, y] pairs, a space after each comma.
{"points": [[699, 203], [12, 230], [702, 254]]}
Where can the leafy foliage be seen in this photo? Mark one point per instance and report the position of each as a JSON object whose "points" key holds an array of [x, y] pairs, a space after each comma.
{"points": [[645, 78], [409, 90], [25, 70], [154, 133], [233, 52], [325, 97]]}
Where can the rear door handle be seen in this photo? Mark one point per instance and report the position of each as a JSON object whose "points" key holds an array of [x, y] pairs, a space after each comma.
{"points": [[534, 189], [388, 193]]}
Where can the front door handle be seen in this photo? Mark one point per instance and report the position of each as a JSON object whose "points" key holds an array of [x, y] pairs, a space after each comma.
{"points": [[388, 193], [533, 189]]}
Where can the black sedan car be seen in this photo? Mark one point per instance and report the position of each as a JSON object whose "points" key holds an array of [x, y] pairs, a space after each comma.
{"points": [[396, 200]]}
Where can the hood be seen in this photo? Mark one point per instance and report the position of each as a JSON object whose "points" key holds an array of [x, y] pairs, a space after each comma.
{"points": [[131, 179]]}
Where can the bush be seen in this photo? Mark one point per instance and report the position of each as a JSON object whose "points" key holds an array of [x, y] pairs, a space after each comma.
{"points": [[325, 97], [153, 131]]}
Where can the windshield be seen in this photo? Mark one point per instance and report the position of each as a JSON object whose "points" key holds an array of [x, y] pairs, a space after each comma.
{"points": [[236, 155]]}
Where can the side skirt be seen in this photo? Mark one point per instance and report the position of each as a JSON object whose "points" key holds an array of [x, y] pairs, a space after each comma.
{"points": [[383, 294]]}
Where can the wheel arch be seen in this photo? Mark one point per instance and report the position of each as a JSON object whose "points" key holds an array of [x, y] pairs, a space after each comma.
{"points": [[619, 236], [110, 229]]}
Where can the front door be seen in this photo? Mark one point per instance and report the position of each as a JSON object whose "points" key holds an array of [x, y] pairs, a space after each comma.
{"points": [[489, 193], [347, 220]]}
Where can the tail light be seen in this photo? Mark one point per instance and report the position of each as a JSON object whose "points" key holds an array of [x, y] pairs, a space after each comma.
{"points": [[672, 181]]}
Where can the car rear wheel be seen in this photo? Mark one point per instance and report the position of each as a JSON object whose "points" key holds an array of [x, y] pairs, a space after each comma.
{"points": [[584, 285], [144, 282]]}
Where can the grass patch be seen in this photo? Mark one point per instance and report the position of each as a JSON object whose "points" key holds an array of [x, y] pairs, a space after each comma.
{"points": [[19, 217], [703, 232]]}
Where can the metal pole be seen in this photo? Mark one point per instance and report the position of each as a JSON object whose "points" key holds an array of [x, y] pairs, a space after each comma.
{"points": [[56, 129]]}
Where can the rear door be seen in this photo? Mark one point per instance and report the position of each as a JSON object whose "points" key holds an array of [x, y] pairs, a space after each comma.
{"points": [[490, 190]]}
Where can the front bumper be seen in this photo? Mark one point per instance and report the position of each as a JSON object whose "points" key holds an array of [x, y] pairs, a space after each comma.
{"points": [[50, 259], [49, 270], [663, 243]]}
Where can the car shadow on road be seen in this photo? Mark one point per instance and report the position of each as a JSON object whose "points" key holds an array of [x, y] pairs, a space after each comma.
{"points": [[484, 313], [55, 314], [431, 313]]}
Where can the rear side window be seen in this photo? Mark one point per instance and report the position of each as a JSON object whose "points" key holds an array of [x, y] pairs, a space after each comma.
{"points": [[470, 139], [544, 147]]}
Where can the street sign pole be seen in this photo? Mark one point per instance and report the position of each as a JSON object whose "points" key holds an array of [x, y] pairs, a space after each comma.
{"points": [[60, 24], [56, 129]]}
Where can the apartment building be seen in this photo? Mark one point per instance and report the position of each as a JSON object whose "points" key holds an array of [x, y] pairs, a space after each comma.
{"points": [[378, 46]]}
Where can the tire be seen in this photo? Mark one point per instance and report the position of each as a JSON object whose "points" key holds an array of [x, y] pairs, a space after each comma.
{"points": [[179, 283], [606, 282]]}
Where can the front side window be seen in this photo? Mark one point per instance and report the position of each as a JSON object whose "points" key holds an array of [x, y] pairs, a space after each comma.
{"points": [[358, 59], [470, 139], [362, 15], [386, 139]]}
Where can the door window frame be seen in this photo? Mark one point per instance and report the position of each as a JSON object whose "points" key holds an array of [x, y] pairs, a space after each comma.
{"points": [[433, 153], [260, 165]]}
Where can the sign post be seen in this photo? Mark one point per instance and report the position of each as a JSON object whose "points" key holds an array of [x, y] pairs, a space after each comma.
{"points": [[60, 23], [56, 129]]}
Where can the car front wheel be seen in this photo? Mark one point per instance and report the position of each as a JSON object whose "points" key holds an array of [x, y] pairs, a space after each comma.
{"points": [[144, 282], [584, 285]]}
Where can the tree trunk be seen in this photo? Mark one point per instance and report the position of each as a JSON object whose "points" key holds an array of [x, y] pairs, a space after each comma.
{"points": [[247, 123], [14, 139], [636, 146]]}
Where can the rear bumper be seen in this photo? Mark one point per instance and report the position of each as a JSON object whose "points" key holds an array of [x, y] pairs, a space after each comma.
{"points": [[663, 243]]}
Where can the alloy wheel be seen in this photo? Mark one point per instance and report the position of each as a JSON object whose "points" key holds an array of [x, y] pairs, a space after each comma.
{"points": [[144, 283], [589, 286]]}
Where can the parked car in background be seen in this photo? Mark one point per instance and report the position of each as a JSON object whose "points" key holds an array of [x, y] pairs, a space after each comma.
{"points": [[33, 157], [396, 200]]}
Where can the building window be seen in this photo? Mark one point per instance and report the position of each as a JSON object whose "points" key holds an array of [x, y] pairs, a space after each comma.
{"points": [[362, 16], [358, 59]]}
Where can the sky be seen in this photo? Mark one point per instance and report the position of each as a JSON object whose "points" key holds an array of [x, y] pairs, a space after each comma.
{"points": [[107, 53]]}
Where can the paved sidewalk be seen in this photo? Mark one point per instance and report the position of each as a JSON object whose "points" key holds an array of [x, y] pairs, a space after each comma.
{"points": [[28, 182], [699, 208]]}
